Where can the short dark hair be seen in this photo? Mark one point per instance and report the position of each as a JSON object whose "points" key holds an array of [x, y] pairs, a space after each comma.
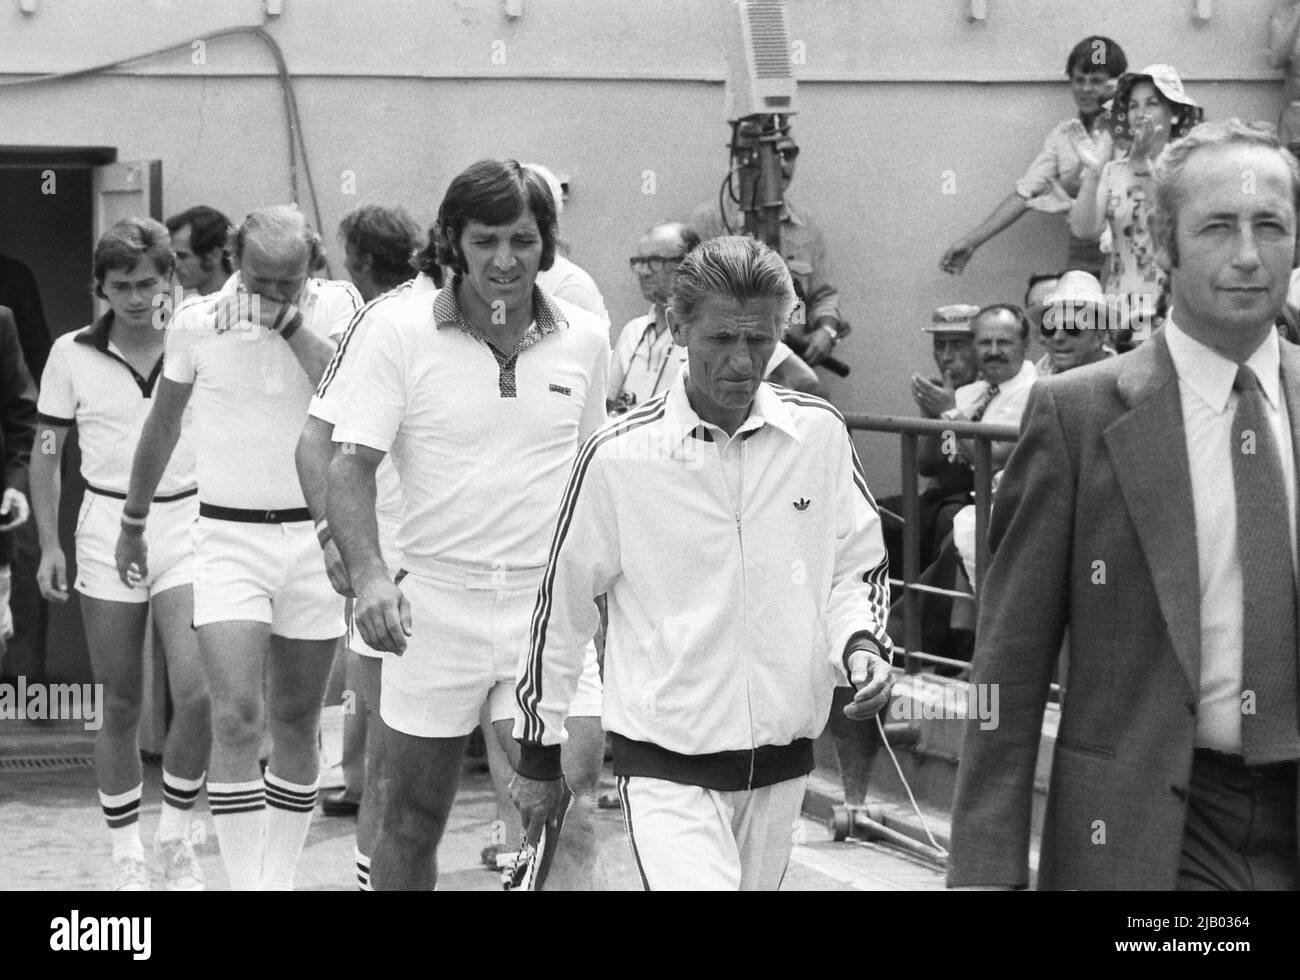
{"points": [[388, 236], [1011, 308], [426, 259], [209, 229], [1097, 52], [494, 192], [127, 243]]}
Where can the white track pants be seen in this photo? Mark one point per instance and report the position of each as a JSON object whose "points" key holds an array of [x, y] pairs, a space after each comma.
{"points": [[687, 838]]}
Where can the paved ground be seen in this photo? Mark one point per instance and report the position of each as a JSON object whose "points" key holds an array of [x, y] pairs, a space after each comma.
{"points": [[54, 836]]}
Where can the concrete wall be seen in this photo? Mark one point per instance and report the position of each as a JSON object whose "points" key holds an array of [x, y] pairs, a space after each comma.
{"points": [[399, 95]]}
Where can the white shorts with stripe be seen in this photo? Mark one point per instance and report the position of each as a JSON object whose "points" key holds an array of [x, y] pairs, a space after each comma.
{"points": [[167, 535], [265, 573], [688, 838], [469, 630]]}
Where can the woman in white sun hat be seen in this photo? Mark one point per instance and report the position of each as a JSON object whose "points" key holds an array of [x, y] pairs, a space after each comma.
{"points": [[1117, 193]]}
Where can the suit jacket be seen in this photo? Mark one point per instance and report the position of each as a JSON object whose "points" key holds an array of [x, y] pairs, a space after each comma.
{"points": [[17, 417], [1093, 528]]}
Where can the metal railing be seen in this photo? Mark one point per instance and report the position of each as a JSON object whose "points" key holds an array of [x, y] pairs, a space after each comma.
{"points": [[910, 430]]}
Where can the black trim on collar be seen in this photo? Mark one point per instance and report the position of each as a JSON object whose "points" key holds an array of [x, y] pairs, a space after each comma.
{"points": [[96, 336]]}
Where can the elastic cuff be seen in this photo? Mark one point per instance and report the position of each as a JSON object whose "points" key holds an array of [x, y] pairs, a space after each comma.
{"points": [[290, 328], [866, 641], [538, 761]]}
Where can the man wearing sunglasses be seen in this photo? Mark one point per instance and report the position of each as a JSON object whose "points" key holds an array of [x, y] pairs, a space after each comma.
{"points": [[1073, 324]]}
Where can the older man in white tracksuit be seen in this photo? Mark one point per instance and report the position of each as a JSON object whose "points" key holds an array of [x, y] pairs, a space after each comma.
{"points": [[730, 526]]}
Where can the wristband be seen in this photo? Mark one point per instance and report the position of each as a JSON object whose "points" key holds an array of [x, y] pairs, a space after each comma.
{"points": [[323, 534], [290, 328], [131, 520]]}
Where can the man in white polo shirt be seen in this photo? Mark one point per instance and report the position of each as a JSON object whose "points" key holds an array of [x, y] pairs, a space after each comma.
{"points": [[251, 355], [730, 527], [381, 284], [482, 392]]}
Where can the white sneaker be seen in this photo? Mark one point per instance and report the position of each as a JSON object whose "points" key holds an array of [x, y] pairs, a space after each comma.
{"points": [[181, 871], [131, 876]]}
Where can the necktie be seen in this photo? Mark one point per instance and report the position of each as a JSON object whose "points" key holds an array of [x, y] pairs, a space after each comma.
{"points": [[982, 405], [1268, 640]]}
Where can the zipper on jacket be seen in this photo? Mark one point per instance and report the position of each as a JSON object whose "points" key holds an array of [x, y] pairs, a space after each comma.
{"points": [[744, 589], [744, 606]]}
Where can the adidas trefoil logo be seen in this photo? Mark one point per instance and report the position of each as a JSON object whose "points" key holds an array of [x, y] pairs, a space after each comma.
{"points": [[802, 503]]}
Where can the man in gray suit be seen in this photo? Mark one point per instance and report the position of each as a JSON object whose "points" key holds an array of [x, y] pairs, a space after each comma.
{"points": [[1150, 506]]}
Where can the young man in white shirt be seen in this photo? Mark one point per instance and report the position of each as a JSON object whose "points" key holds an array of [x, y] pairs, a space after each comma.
{"points": [[482, 392], [251, 355], [102, 380], [730, 624]]}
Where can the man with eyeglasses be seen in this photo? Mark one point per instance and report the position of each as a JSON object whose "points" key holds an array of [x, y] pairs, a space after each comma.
{"points": [[647, 358], [816, 326]]}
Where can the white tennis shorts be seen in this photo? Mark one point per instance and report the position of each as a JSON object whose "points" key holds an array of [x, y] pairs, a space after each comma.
{"points": [[467, 638], [167, 534], [265, 573]]}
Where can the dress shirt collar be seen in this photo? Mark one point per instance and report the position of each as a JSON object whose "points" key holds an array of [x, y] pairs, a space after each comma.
{"points": [[649, 328], [1211, 375], [1023, 378]]}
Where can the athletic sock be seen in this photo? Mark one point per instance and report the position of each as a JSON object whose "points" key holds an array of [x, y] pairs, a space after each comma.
{"points": [[363, 871], [179, 795], [239, 815], [290, 807], [122, 811]]}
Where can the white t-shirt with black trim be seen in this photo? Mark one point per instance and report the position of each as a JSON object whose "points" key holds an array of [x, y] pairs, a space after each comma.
{"points": [[250, 394]]}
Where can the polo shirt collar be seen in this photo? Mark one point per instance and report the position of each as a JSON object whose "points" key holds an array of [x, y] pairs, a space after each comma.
{"points": [[96, 335], [1211, 375], [447, 312], [683, 422]]}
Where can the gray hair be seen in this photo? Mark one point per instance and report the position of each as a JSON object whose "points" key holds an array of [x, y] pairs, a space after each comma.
{"points": [[1170, 168], [276, 228], [733, 266]]}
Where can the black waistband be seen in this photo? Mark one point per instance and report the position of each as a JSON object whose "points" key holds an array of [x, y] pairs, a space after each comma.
{"points": [[164, 499], [1236, 764], [219, 513], [727, 772]]}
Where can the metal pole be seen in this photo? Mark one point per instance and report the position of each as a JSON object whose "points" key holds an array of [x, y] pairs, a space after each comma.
{"points": [[911, 553]]}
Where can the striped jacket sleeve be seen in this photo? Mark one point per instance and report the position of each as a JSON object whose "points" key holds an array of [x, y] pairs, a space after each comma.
{"points": [[859, 602], [583, 563]]}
